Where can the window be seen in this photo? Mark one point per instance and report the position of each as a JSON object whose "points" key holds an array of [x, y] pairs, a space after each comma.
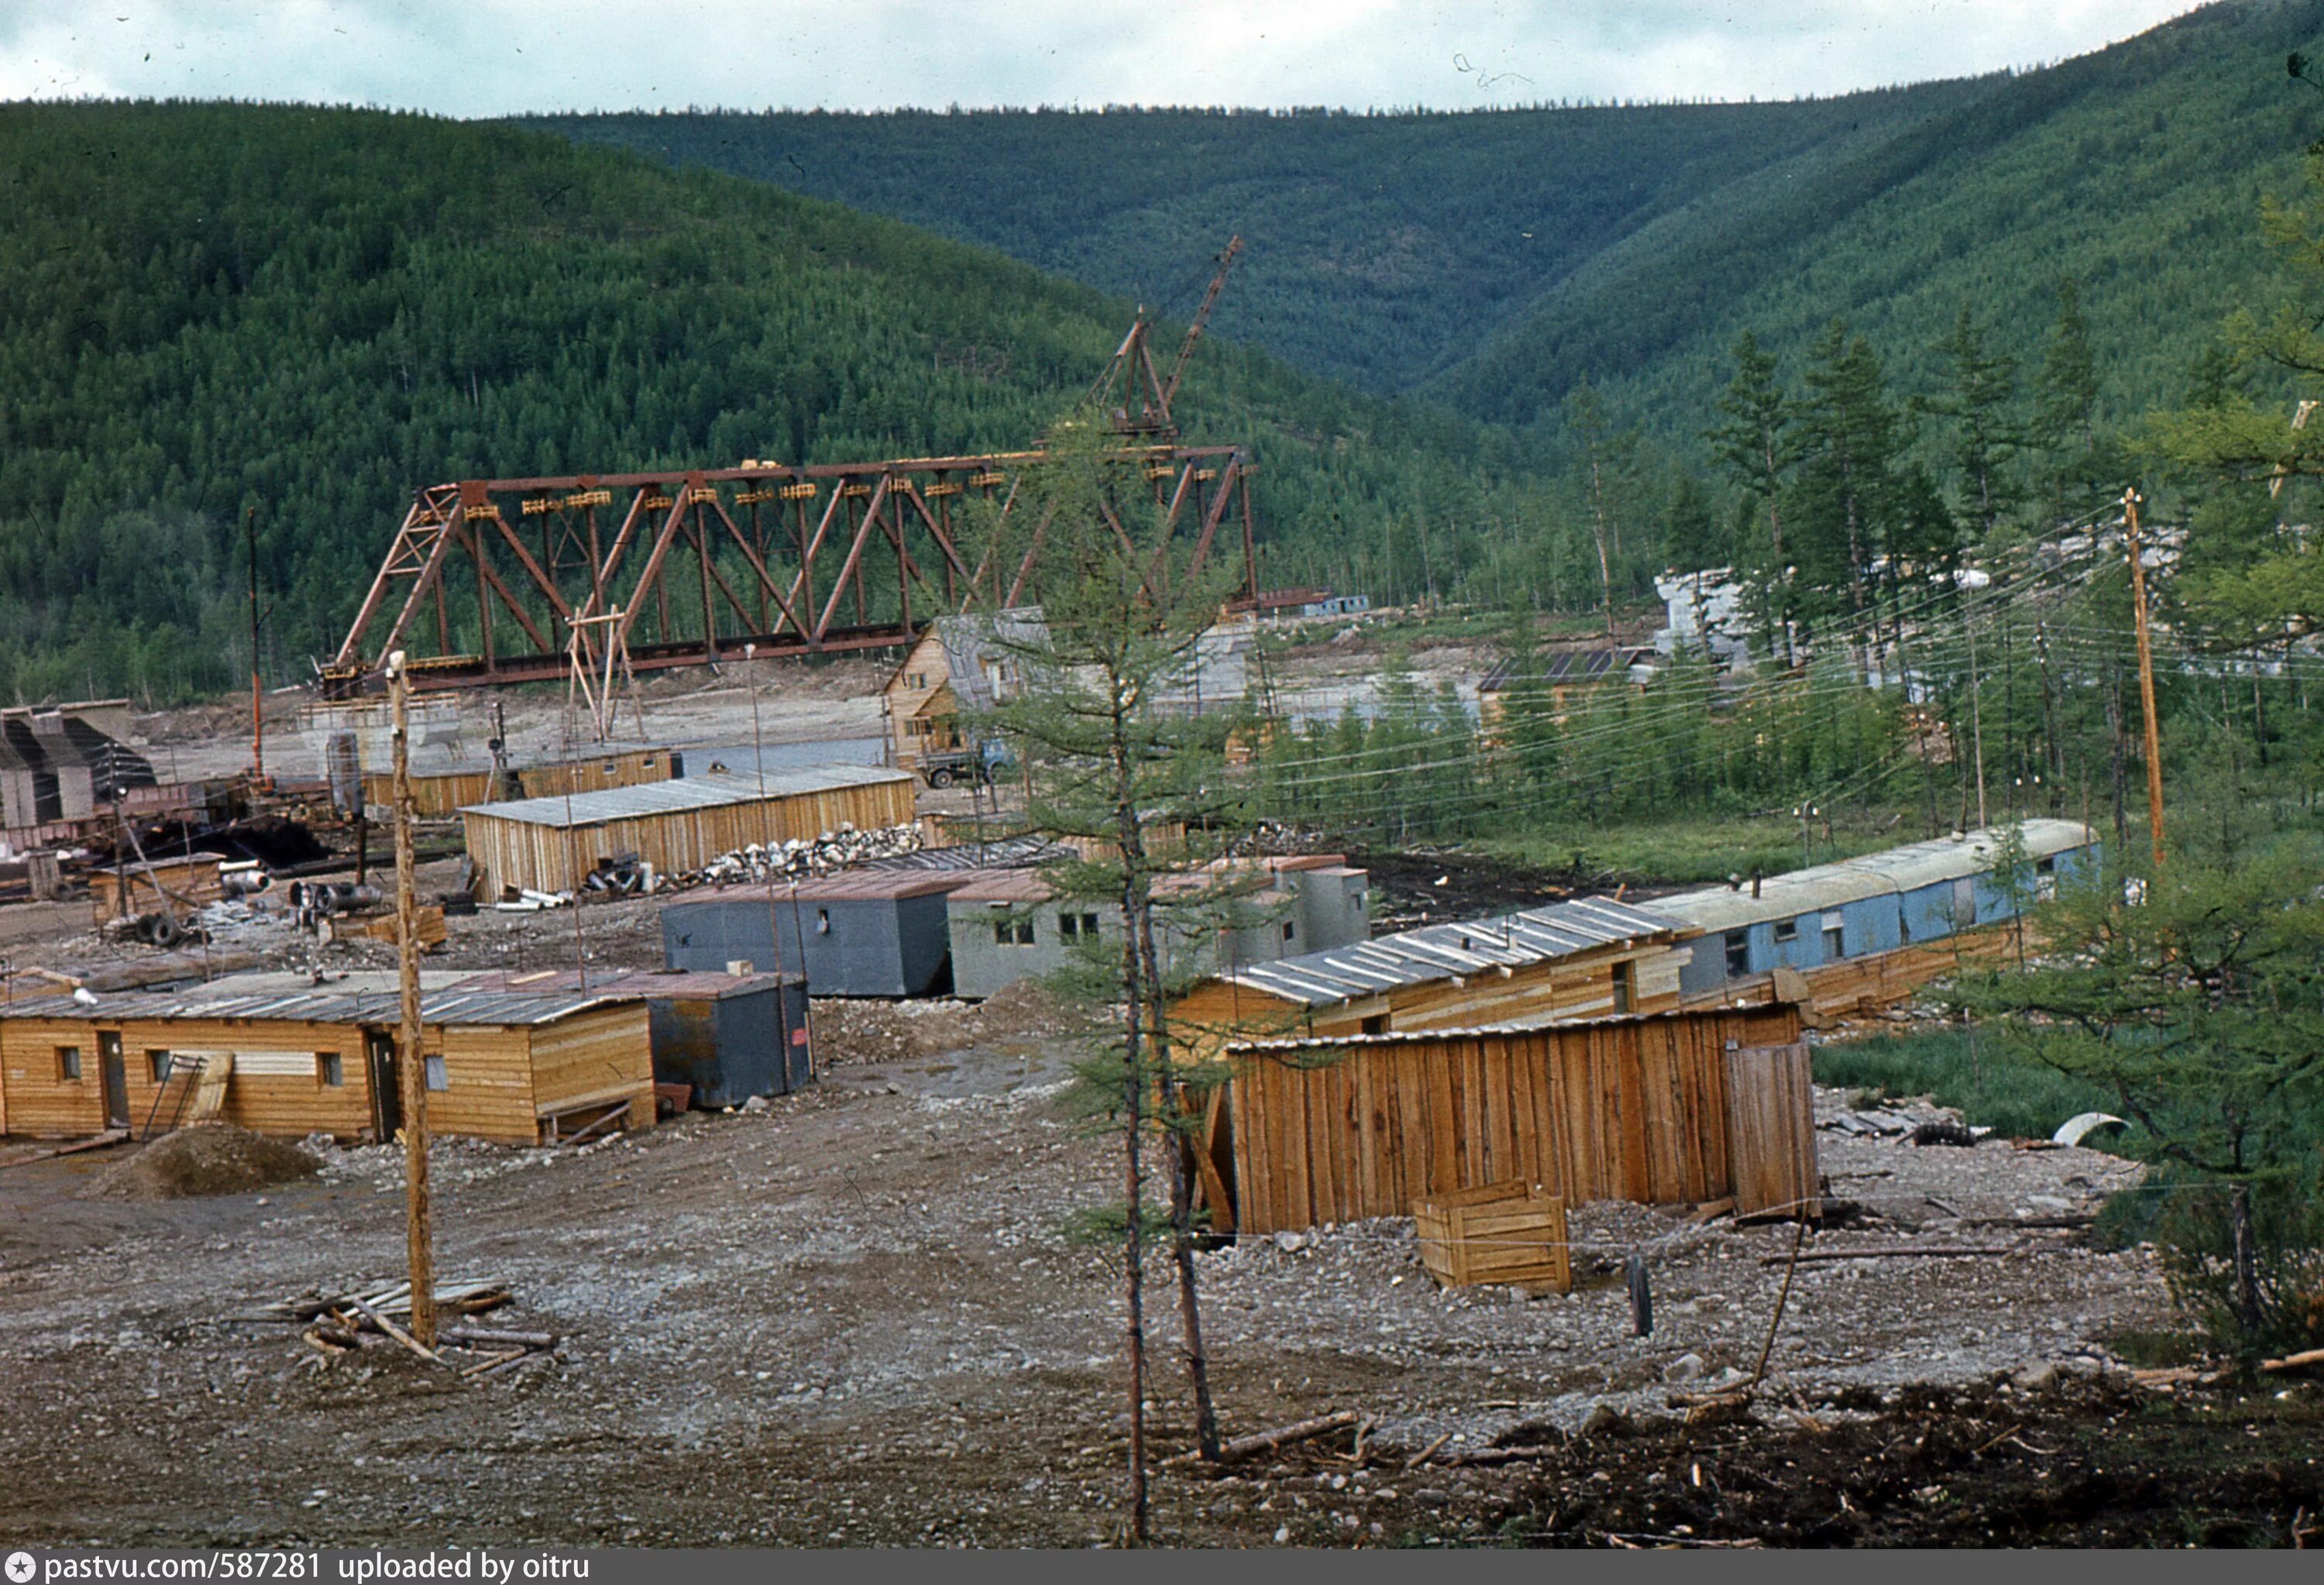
{"points": [[328, 1069], [157, 1063], [1835, 941], [1073, 925], [1739, 954], [1376, 1025], [823, 921], [1012, 931], [68, 1063], [437, 1077], [1626, 987], [1290, 931], [1787, 930]]}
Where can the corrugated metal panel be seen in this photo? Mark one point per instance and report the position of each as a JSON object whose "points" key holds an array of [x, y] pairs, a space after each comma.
{"points": [[454, 1005], [697, 792], [1444, 951]]}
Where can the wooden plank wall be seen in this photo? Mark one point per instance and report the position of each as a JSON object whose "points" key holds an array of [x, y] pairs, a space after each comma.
{"points": [[499, 1079], [1771, 1131], [442, 794], [193, 880], [1625, 1109], [600, 1056], [1578, 987], [1875, 979], [547, 858]]}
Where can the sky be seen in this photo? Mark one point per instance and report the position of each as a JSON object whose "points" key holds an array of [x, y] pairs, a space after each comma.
{"points": [[480, 58]]}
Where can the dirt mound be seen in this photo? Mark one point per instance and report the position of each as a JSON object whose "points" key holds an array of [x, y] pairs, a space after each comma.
{"points": [[1025, 1011], [215, 1158], [852, 1031]]}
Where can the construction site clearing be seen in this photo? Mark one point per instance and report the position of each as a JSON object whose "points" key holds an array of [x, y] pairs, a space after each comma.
{"points": [[844, 1305]]}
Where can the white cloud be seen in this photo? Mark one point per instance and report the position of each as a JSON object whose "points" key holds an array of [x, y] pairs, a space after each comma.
{"points": [[497, 57]]}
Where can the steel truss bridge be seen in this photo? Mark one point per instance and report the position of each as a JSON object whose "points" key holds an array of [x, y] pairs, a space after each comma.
{"points": [[492, 581]]}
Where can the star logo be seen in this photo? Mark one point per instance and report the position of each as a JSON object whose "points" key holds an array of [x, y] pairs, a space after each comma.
{"points": [[20, 1567]]}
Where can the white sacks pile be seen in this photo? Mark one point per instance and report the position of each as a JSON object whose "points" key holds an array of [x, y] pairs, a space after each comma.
{"points": [[797, 859]]}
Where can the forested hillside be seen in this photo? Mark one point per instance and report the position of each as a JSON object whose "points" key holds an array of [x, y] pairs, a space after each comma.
{"points": [[2139, 171], [1382, 247], [1495, 259], [208, 310]]}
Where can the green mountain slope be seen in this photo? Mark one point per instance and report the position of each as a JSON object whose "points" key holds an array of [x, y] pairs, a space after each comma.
{"points": [[1492, 259], [206, 310], [1380, 246], [2139, 170]]}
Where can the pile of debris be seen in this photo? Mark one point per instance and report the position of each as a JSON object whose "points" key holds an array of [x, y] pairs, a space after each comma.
{"points": [[347, 1323], [798, 858]]}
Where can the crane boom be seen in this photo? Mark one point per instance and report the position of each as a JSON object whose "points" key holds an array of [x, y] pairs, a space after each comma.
{"points": [[1195, 326]]}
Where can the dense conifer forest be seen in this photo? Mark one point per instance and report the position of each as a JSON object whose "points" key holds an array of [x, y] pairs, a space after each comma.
{"points": [[212, 310]]}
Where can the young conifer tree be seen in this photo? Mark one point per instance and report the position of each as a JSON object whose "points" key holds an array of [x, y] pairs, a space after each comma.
{"points": [[1126, 759]]}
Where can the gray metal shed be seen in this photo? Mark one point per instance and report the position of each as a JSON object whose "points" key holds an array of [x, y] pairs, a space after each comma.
{"points": [[861, 934]]}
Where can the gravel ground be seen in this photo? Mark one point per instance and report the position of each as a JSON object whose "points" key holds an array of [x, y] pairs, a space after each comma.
{"points": [[855, 1317]]}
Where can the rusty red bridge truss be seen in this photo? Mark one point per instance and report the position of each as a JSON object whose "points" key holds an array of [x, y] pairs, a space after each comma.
{"points": [[489, 579]]}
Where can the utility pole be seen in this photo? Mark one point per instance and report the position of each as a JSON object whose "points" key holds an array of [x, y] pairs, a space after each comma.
{"points": [[257, 717], [1976, 723], [2145, 678], [411, 1069]]}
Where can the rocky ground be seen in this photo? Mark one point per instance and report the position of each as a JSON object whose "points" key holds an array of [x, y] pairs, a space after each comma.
{"points": [[858, 1316]]}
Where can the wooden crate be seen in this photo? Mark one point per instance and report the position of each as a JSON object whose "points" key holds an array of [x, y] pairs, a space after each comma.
{"points": [[1511, 1233]]}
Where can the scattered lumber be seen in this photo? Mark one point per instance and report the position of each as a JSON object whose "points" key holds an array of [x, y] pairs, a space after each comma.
{"points": [[1424, 1454], [2299, 1361], [1710, 1211], [1487, 1456], [1888, 1252], [99, 1142], [343, 1324], [402, 1336], [1281, 1436]]}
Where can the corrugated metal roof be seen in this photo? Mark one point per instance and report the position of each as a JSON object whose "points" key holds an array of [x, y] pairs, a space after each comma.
{"points": [[1882, 874], [1013, 852], [1530, 1026], [632, 984], [324, 1005], [1444, 952], [693, 792]]}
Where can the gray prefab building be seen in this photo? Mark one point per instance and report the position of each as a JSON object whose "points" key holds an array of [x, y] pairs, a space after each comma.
{"points": [[1858, 907], [729, 1037], [1006, 925], [866, 934]]}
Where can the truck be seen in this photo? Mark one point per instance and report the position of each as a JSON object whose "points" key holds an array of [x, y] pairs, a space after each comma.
{"points": [[987, 762]]}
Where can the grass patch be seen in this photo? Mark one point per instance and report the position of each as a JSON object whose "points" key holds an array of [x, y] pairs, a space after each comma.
{"points": [[1700, 852], [1974, 1072]]}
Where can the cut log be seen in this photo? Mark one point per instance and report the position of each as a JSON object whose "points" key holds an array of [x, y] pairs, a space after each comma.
{"points": [[2299, 1361], [1888, 1252], [1242, 1447], [484, 1337]]}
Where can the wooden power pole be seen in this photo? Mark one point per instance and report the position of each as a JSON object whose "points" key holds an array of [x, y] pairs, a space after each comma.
{"points": [[257, 694], [2145, 678], [410, 1067]]}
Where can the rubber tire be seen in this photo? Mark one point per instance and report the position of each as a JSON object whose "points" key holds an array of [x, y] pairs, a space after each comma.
{"points": [[167, 932], [940, 777]]}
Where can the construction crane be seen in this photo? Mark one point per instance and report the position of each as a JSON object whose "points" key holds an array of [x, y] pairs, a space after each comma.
{"points": [[1132, 377]]}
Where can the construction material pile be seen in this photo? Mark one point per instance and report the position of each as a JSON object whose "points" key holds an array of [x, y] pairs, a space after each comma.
{"points": [[215, 1158], [798, 859]]}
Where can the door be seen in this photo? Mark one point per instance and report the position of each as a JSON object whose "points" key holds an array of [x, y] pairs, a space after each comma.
{"points": [[117, 1080], [386, 1098], [1771, 1141]]}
